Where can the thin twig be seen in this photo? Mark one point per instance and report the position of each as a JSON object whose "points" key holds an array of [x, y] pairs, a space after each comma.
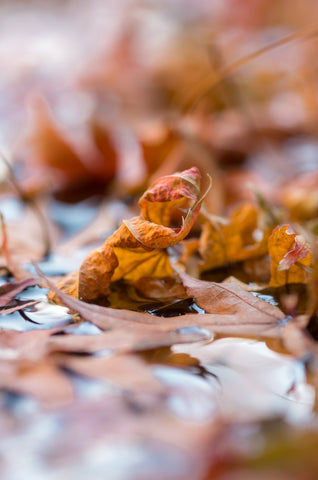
{"points": [[36, 210], [5, 249], [209, 84]]}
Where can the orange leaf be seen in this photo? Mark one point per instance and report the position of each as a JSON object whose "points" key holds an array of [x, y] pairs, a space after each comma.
{"points": [[285, 249], [137, 248]]}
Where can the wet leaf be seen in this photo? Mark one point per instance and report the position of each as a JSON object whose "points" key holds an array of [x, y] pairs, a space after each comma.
{"points": [[231, 310], [27, 369], [290, 257], [128, 338], [230, 299], [16, 308], [9, 290], [25, 346], [124, 371]]}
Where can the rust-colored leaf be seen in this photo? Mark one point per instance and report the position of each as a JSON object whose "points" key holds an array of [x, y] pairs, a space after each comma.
{"points": [[290, 257]]}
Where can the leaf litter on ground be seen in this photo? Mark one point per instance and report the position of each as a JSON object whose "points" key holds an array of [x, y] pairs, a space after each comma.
{"points": [[111, 385]]}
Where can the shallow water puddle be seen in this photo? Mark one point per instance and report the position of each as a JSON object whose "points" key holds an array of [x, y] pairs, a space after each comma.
{"points": [[134, 433], [248, 381], [163, 409]]}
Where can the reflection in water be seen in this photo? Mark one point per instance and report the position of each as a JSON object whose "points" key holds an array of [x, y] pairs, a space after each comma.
{"points": [[49, 315], [191, 397], [102, 436], [254, 383]]}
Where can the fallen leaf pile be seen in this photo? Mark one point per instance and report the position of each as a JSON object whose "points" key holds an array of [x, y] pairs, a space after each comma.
{"points": [[158, 240]]}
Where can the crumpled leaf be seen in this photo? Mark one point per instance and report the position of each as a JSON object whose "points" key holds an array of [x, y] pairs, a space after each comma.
{"points": [[237, 239], [137, 248], [168, 193], [290, 257]]}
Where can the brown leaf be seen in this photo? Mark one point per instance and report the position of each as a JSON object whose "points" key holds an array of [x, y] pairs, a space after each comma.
{"points": [[243, 309], [132, 338], [236, 312], [157, 203], [24, 346], [26, 368], [9, 290]]}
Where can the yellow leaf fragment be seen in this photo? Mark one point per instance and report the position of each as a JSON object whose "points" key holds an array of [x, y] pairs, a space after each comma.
{"points": [[238, 239]]}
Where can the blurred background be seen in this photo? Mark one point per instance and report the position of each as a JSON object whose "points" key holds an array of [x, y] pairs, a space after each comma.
{"points": [[113, 93]]}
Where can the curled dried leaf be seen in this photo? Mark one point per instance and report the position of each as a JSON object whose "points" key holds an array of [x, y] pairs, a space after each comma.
{"points": [[137, 248]]}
